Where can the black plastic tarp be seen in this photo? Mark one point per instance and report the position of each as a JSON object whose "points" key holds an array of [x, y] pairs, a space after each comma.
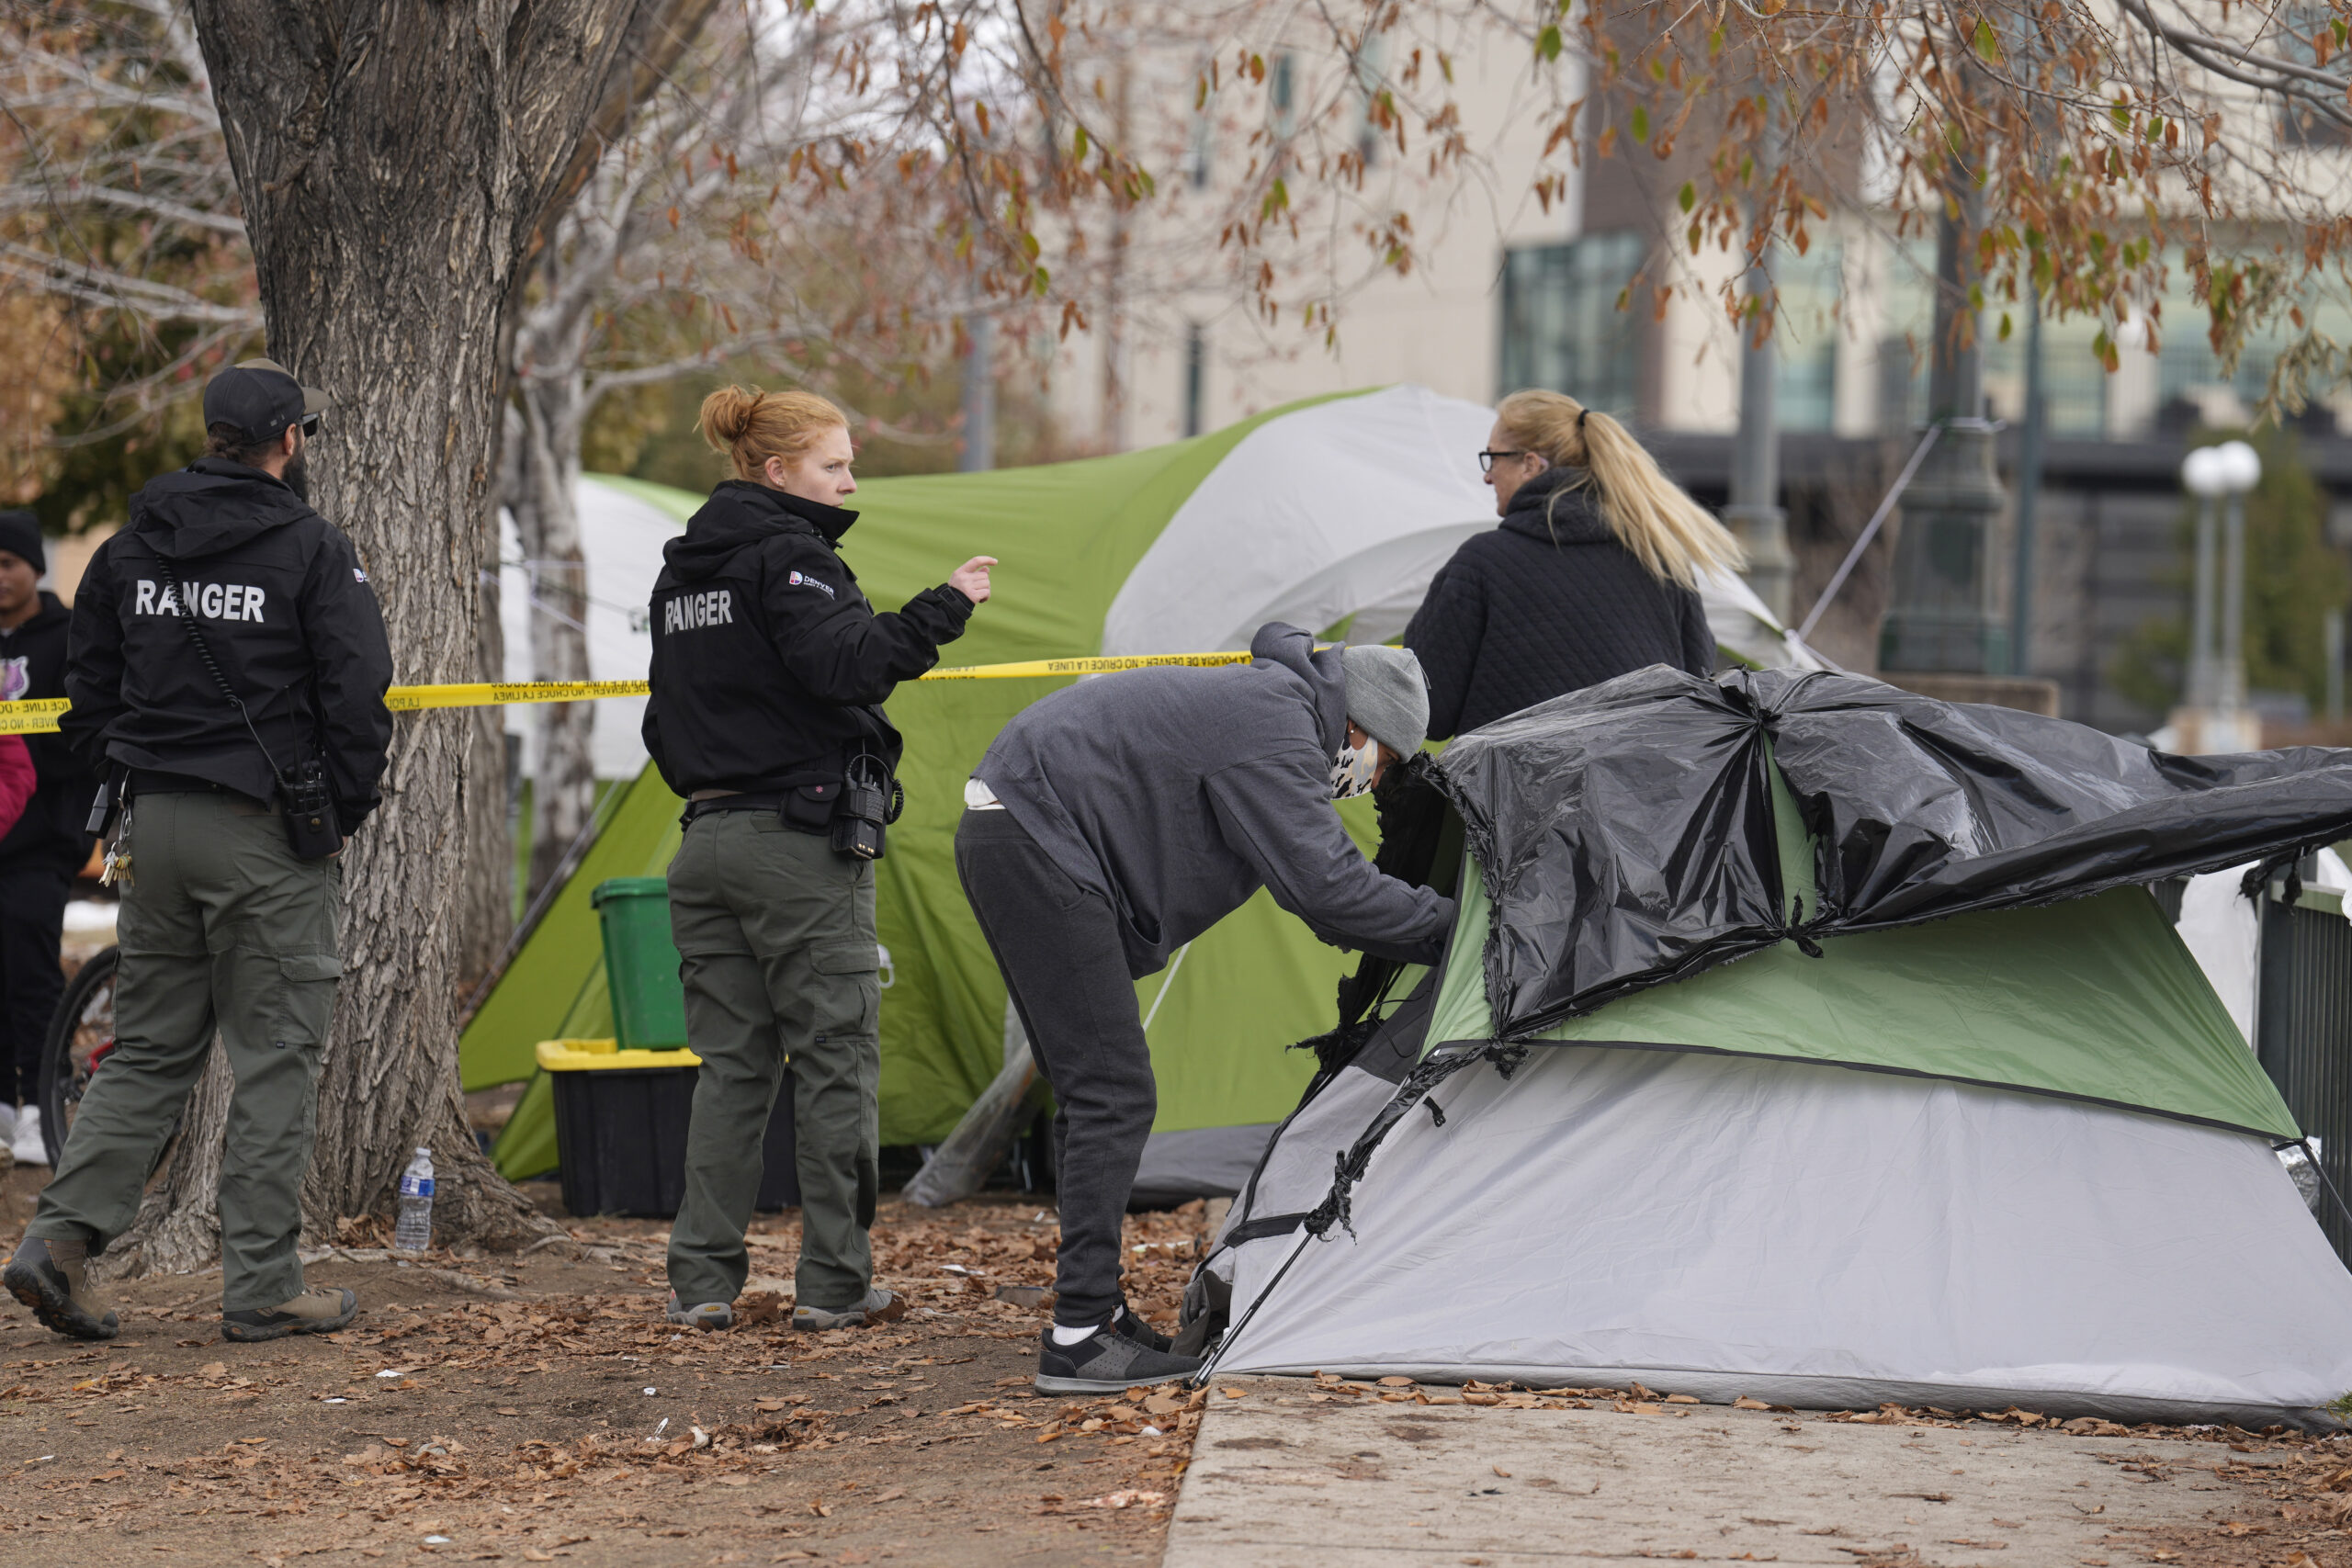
{"points": [[1626, 831]]}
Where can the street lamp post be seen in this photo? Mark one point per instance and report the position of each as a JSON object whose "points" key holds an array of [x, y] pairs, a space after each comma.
{"points": [[2216, 717], [1939, 620], [2243, 472], [2198, 478]]}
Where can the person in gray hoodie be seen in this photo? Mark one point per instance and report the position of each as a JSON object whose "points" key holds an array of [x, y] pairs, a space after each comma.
{"points": [[1118, 819]]}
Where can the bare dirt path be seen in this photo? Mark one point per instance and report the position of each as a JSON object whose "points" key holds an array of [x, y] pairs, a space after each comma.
{"points": [[539, 1409], [1349, 1474]]}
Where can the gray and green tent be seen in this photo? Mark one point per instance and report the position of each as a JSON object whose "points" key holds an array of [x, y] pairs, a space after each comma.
{"points": [[1331, 514], [1806, 1039]]}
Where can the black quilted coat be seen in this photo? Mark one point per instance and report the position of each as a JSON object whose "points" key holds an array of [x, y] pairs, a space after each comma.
{"points": [[1546, 603]]}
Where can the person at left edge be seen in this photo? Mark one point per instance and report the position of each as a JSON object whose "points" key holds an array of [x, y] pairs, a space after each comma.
{"points": [[768, 675], [41, 854], [222, 926]]}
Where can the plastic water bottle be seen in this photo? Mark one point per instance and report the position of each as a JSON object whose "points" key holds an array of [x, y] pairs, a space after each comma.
{"points": [[415, 1232]]}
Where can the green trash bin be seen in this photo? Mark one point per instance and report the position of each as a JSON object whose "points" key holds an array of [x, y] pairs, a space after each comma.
{"points": [[641, 963]]}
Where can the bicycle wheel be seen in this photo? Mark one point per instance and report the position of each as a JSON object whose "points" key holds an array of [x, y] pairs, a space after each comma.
{"points": [[81, 1032]]}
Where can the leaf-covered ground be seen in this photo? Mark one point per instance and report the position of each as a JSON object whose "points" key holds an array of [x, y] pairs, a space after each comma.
{"points": [[540, 1409]]}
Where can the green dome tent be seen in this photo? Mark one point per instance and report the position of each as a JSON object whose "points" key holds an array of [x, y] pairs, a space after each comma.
{"points": [[1332, 514], [1808, 1040]]}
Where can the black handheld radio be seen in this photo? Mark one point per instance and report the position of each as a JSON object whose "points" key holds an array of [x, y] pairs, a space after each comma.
{"points": [[871, 800]]}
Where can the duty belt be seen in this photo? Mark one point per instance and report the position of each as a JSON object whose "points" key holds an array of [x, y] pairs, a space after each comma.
{"points": [[148, 780], [752, 800]]}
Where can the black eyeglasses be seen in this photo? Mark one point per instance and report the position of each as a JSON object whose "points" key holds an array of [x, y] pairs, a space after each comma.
{"points": [[1487, 460]]}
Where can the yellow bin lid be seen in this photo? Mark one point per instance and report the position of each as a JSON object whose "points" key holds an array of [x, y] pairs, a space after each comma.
{"points": [[603, 1056]]}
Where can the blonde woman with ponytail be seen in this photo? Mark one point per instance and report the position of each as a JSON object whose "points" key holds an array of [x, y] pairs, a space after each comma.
{"points": [[769, 673], [1594, 572]]}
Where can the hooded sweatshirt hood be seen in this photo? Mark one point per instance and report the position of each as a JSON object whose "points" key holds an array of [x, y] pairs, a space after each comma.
{"points": [[210, 506], [740, 513], [1558, 506], [1326, 677], [50, 614]]}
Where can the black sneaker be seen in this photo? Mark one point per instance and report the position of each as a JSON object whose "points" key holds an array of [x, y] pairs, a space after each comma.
{"points": [[321, 1310], [1129, 1326], [1106, 1361], [47, 1276]]}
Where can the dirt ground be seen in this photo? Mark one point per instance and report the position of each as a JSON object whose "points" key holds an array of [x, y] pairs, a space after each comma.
{"points": [[539, 1408]]}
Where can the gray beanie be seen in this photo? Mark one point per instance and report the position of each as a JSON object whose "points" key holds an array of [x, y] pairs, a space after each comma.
{"points": [[1388, 696]]}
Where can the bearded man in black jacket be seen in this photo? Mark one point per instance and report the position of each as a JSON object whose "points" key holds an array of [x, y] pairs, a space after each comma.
{"points": [[226, 647], [41, 854], [768, 675]]}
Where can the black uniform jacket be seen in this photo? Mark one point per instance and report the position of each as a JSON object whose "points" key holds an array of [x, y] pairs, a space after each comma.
{"points": [[769, 666], [1546, 605], [290, 619], [50, 828]]}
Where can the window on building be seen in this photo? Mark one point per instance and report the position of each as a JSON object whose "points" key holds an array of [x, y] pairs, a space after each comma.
{"points": [[1805, 337], [2190, 371], [1282, 90], [2301, 125], [1370, 67], [2074, 382], [1561, 324], [1200, 143], [1196, 372]]}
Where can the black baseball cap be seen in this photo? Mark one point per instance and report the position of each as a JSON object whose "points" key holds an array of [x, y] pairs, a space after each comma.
{"points": [[261, 398]]}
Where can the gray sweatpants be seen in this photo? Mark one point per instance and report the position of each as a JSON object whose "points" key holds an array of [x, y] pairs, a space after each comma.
{"points": [[1058, 947]]}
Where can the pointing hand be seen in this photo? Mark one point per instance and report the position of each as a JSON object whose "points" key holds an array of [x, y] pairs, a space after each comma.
{"points": [[971, 578]]}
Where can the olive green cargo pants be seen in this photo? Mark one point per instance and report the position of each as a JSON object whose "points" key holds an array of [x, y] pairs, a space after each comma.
{"points": [[220, 927], [775, 946]]}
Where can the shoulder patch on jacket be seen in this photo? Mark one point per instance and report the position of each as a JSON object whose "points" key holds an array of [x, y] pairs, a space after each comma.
{"points": [[802, 580]]}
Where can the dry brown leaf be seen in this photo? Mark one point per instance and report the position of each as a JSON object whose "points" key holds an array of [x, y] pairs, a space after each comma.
{"points": [[1743, 1403]]}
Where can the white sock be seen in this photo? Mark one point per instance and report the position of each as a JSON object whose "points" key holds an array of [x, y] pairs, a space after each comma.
{"points": [[1067, 1337]]}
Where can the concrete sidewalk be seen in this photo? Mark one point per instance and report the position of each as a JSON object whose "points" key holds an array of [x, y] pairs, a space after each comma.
{"points": [[1279, 1478]]}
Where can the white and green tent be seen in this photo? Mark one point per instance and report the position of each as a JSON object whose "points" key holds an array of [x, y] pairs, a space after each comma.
{"points": [[1332, 514], [1810, 1041]]}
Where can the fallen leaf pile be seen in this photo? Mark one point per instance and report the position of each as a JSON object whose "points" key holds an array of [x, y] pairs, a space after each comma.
{"points": [[473, 1428]]}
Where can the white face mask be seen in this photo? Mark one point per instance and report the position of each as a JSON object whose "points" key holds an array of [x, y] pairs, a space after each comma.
{"points": [[1352, 767]]}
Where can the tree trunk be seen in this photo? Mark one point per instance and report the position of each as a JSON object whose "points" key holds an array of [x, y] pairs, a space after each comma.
{"points": [[395, 159], [544, 468], [486, 915]]}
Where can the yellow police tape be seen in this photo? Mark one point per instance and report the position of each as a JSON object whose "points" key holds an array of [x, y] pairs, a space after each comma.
{"points": [[39, 715]]}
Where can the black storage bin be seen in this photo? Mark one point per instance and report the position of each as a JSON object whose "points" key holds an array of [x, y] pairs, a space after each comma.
{"points": [[620, 1132]]}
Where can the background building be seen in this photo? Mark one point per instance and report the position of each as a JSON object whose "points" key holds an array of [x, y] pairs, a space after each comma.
{"points": [[1600, 296]]}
